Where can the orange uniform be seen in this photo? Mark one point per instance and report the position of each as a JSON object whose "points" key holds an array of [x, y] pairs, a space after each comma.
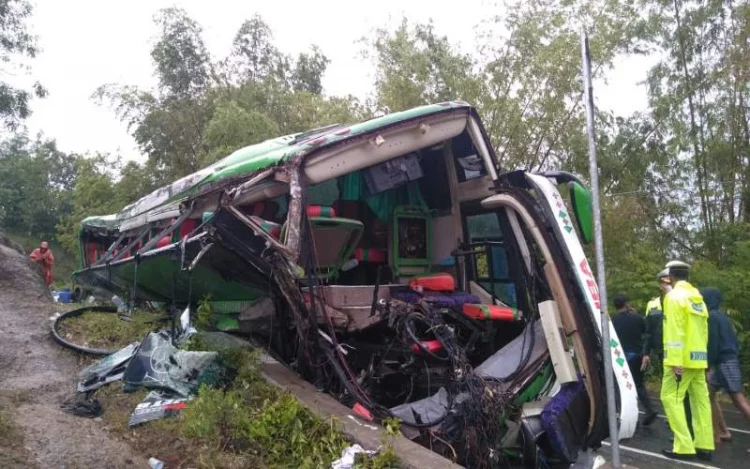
{"points": [[44, 257]]}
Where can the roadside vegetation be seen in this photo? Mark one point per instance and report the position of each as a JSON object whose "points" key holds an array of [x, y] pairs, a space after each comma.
{"points": [[109, 330], [249, 423]]}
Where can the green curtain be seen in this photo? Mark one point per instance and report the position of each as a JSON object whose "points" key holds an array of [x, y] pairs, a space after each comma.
{"points": [[353, 187]]}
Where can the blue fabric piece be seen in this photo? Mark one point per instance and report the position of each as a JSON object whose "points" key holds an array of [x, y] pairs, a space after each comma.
{"points": [[555, 409], [442, 300]]}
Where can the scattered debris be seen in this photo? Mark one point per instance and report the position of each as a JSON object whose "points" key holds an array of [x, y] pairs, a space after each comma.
{"points": [[355, 420], [349, 456], [108, 369], [157, 405], [82, 406], [154, 363], [158, 364], [62, 296]]}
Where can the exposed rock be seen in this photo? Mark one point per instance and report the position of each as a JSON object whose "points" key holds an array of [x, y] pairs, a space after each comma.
{"points": [[20, 280]]}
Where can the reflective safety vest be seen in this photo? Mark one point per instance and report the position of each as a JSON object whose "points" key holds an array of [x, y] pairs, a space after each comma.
{"points": [[685, 327], [653, 341], [653, 306]]}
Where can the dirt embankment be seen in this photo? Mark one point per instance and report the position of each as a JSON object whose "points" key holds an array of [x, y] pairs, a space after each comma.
{"points": [[36, 375]]}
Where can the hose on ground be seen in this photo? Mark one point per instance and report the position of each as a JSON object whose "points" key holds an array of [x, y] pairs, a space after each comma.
{"points": [[74, 313]]}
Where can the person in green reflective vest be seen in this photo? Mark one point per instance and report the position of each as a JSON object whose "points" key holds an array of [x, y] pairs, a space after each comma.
{"points": [[685, 363], [653, 341]]}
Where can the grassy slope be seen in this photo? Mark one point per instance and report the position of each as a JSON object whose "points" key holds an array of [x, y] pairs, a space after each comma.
{"points": [[65, 263]]}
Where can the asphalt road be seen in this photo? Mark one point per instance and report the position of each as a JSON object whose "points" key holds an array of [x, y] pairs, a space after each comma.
{"points": [[643, 451]]}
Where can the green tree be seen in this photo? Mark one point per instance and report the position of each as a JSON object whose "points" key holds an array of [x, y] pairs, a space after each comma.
{"points": [[533, 106], [415, 66], [94, 193], [698, 93], [15, 41], [35, 180], [180, 56], [254, 57], [203, 111], [308, 71], [233, 127]]}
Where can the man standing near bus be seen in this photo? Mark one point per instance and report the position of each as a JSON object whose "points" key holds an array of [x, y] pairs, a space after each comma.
{"points": [[45, 259], [685, 363]]}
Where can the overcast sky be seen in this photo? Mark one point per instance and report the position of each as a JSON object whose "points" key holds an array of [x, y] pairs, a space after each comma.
{"points": [[87, 43]]}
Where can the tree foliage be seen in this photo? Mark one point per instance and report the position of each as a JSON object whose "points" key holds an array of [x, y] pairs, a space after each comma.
{"points": [[15, 42], [35, 183], [203, 108]]}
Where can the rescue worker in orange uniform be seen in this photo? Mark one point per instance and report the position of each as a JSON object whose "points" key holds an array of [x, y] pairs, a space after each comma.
{"points": [[45, 259]]}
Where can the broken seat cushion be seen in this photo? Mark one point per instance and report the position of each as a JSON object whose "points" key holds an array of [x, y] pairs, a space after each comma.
{"points": [[321, 211], [376, 256], [562, 420], [434, 283]]}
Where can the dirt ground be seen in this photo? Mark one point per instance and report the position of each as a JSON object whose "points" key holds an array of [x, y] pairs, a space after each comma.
{"points": [[36, 375]]}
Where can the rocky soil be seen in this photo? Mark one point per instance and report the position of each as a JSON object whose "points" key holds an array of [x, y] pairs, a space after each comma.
{"points": [[36, 375]]}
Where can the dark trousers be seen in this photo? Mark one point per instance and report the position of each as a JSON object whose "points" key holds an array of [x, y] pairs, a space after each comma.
{"points": [[635, 370], [689, 415]]}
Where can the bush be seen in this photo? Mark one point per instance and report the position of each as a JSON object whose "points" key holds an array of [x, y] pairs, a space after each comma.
{"points": [[255, 418]]}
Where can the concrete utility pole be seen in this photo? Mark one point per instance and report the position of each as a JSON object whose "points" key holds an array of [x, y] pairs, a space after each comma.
{"points": [[599, 248]]}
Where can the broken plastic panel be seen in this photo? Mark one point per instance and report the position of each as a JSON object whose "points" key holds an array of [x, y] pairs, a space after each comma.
{"points": [[108, 369], [160, 365], [157, 405]]}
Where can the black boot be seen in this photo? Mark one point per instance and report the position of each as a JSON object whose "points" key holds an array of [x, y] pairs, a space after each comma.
{"points": [[671, 454]]}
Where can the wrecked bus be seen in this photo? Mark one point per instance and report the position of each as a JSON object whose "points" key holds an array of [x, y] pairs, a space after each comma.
{"points": [[391, 264]]}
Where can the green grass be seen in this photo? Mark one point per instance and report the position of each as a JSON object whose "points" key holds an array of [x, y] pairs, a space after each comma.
{"points": [[247, 424], [65, 262], [256, 421], [107, 330]]}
